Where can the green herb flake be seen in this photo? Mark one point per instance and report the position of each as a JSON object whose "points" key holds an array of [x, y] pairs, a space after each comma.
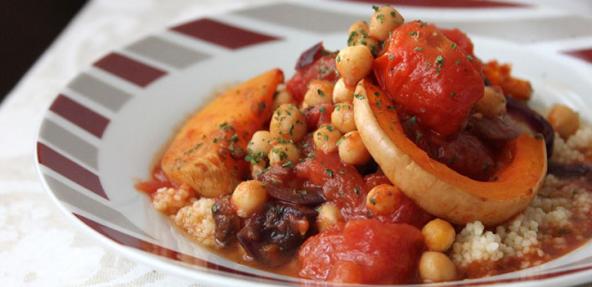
{"points": [[352, 37], [329, 172], [380, 18], [418, 49], [391, 107], [391, 57], [234, 138], [375, 8], [376, 94], [359, 97], [372, 200], [320, 92], [330, 128], [225, 126], [288, 164], [453, 45], [439, 62], [413, 33], [322, 110], [470, 58]]}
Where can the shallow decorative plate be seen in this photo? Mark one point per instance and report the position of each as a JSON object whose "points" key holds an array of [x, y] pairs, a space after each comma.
{"points": [[102, 133]]}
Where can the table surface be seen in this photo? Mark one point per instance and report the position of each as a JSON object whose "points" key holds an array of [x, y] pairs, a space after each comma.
{"points": [[38, 246]]}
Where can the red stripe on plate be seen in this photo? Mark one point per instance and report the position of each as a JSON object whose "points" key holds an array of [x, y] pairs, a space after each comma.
{"points": [[447, 3], [130, 70], [222, 34], [80, 115], [69, 169], [584, 54], [130, 241]]}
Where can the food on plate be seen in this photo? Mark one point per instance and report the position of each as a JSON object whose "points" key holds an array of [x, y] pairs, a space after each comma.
{"points": [[400, 158]]}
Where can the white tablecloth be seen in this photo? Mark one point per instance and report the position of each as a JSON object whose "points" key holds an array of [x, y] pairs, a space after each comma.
{"points": [[38, 247]]}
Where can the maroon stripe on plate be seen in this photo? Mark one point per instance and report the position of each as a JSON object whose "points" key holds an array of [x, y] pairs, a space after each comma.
{"points": [[222, 34], [137, 243], [447, 3], [69, 169], [584, 54], [130, 241], [80, 115], [130, 70]]}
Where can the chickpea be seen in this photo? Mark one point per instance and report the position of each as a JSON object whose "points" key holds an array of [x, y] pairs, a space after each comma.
{"points": [[357, 31], [329, 216], [342, 117], [248, 197], [439, 235], [383, 199], [319, 92], [372, 44], [325, 138], [492, 104], [436, 267], [288, 122], [352, 150], [284, 154], [354, 63], [384, 20], [564, 120], [342, 93], [260, 143], [282, 97]]}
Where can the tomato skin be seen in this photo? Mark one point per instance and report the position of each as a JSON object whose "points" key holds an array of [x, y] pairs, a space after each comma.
{"points": [[363, 251], [322, 69], [429, 76], [462, 40]]}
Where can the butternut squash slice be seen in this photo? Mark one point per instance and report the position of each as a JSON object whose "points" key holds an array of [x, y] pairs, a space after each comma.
{"points": [[435, 187], [207, 153]]}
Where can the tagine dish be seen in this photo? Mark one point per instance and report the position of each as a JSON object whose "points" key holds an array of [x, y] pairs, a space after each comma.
{"points": [[400, 158]]}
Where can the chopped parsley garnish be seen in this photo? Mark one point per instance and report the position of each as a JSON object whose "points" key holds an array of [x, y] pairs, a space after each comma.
{"points": [[380, 17], [413, 33], [254, 157], [376, 94], [330, 128], [288, 164], [359, 97], [391, 107], [320, 92], [372, 200], [351, 38], [234, 138], [322, 110], [225, 126], [357, 190], [375, 8], [470, 58], [439, 62], [391, 57], [329, 172], [453, 45], [418, 49]]}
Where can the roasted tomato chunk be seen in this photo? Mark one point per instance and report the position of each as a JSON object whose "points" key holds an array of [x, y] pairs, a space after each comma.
{"points": [[363, 251], [429, 76]]}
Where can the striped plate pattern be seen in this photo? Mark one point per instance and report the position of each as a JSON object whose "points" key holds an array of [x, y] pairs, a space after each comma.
{"points": [[77, 150]]}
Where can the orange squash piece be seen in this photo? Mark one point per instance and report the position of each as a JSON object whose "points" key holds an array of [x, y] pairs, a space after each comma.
{"points": [[207, 153], [435, 187]]}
